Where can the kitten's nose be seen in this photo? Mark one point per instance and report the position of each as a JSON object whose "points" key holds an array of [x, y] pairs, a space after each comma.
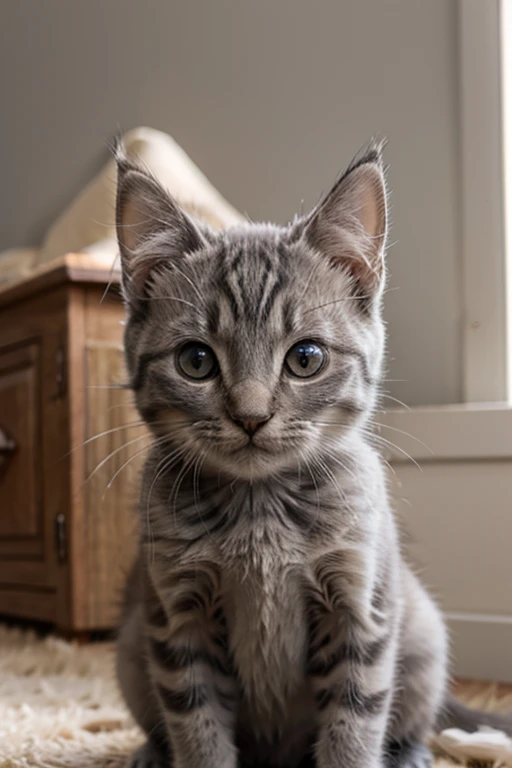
{"points": [[249, 405], [251, 426]]}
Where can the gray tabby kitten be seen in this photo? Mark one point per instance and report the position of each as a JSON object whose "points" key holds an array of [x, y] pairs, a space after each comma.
{"points": [[271, 619]]}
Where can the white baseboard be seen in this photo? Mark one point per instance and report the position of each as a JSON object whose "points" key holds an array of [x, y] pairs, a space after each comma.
{"points": [[456, 512]]}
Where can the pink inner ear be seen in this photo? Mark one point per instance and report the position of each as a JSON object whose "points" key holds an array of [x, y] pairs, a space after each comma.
{"points": [[142, 206], [153, 231], [350, 226], [363, 204], [132, 224], [373, 205]]}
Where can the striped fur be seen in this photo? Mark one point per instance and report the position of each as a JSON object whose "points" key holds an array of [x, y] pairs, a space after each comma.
{"points": [[270, 619]]}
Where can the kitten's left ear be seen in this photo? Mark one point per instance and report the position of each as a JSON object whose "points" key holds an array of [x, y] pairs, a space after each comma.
{"points": [[152, 230], [349, 226]]}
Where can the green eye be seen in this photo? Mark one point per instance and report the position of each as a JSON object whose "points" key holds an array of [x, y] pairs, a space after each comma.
{"points": [[305, 359], [197, 361]]}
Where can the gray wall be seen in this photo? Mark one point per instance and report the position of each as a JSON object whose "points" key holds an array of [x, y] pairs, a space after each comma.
{"points": [[270, 98]]}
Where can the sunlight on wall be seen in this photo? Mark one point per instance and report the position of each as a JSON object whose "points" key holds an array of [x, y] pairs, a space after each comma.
{"points": [[506, 54]]}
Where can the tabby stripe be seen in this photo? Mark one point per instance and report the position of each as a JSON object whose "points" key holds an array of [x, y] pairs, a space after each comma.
{"points": [[142, 363], [180, 702], [288, 318], [156, 616], [349, 352], [366, 655], [378, 604], [276, 288], [323, 698], [300, 519], [213, 317], [360, 704], [221, 641], [218, 616], [319, 645], [264, 282], [205, 517], [226, 700], [353, 699], [350, 406], [149, 414], [225, 524], [174, 659], [233, 303], [187, 605]]}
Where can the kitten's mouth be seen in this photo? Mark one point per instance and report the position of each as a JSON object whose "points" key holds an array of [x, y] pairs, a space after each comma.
{"points": [[251, 447]]}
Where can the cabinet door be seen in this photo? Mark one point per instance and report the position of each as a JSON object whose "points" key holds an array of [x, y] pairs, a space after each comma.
{"points": [[21, 481], [34, 445]]}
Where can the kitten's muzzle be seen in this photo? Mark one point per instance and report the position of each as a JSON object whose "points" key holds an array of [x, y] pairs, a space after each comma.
{"points": [[249, 405]]}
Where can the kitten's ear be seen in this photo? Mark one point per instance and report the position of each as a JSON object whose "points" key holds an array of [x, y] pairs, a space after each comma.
{"points": [[152, 230], [349, 226]]}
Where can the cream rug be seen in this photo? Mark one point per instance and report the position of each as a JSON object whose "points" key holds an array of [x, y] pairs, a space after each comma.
{"points": [[60, 706]]}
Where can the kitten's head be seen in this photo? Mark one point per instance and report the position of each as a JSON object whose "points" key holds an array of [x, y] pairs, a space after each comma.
{"points": [[257, 347]]}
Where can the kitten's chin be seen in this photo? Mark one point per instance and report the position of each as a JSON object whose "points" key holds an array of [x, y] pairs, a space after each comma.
{"points": [[251, 462]]}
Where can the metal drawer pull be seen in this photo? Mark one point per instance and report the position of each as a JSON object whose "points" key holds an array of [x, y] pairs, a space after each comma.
{"points": [[7, 449]]}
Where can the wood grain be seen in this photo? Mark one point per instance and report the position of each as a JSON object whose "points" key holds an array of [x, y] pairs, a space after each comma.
{"points": [[105, 528], [69, 332], [112, 465]]}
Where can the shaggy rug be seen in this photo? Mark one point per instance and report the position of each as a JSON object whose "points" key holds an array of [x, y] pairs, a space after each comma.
{"points": [[60, 706]]}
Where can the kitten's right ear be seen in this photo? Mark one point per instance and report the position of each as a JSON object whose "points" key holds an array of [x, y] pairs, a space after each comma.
{"points": [[152, 230], [349, 225]]}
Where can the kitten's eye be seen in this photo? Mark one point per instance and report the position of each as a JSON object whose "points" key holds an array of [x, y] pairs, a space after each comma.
{"points": [[305, 359], [197, 361]]}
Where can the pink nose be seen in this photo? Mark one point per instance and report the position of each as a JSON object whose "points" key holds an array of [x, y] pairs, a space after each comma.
{"points": [[251, 426]]}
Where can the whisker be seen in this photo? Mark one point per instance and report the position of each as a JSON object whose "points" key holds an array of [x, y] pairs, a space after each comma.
{"points": [[336, 301], [120, 387], [113, 453], [132, 425], [308, 283], [167, 298], [402, 432], [187, 278], [197, 471], [317, 491], [388, 443], [395, 400], [146, 447], [337, 458], [187, 465], [165, 464], [125, 426], [147, 435]]}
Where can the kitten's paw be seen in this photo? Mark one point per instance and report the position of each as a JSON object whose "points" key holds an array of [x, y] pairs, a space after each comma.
{"points": [[408, 756], [147, 756]]}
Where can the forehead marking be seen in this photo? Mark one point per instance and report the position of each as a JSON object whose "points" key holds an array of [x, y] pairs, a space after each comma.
{"points": [[252, 281]]}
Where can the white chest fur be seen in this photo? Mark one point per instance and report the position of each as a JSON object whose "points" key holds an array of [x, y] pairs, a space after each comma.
{"points": [[268, 635]]}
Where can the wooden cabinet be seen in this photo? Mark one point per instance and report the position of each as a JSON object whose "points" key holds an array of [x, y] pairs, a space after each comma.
{"points": [[68, 498]]}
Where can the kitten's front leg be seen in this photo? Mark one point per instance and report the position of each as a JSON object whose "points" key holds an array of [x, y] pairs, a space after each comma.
{"points": [[192, 679], [351, 667]]}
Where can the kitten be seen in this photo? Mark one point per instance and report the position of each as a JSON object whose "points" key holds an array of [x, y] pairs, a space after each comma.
{"points": [[271, 619]]}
